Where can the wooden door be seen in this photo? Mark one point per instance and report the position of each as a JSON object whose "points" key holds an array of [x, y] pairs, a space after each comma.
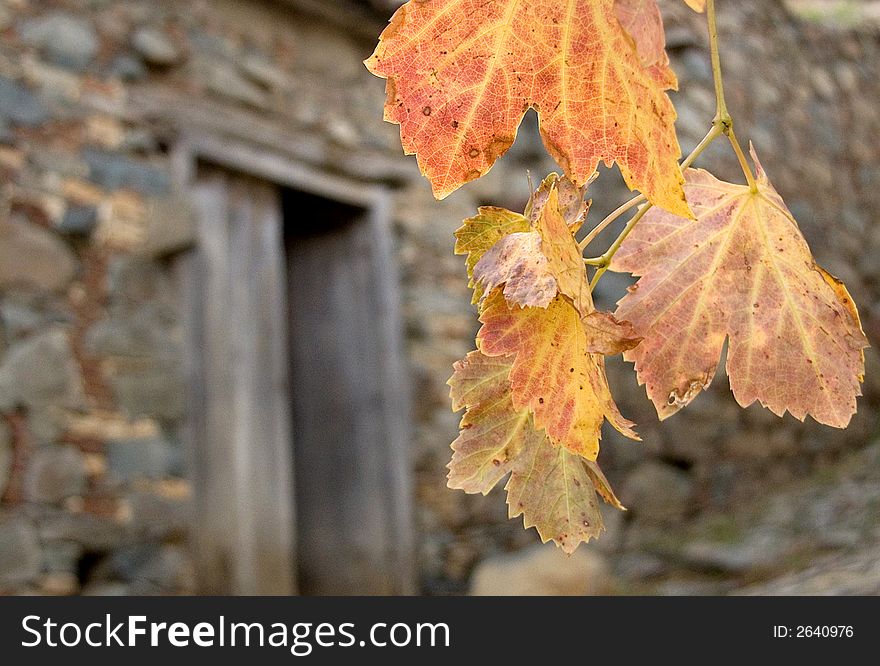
{"points": [[239, 409], [349, 413], [298, 412]]}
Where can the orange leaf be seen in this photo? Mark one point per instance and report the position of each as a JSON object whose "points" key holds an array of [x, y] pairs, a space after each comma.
{"points": [[642, 20], [462, 73], [553, 373], [554, 490], [481, 232], [535, 266], [571, 201], [493, 432], [744, 271]]}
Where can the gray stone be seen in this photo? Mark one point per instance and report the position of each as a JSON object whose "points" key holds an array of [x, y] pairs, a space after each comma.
{"points": [[143, 332], [133, 281], [93, 533], [20, 106], [139, 140], [79, 221], [6, 455], [170, 226], [40, 371], [141, 458], [854, 574], [224, 79], [655, 491], [62, 556], [102, 589], [65, 40], [168, 571], [47, 422], [125, 563], [263, 72], [639, 566], [157, 389], [542, 570], [20, 555], [759, 549], [128, 68], [33, 257], [159, 518], [55, 473], [114, 171], [21, 316], [6, 136], [155, 47]]}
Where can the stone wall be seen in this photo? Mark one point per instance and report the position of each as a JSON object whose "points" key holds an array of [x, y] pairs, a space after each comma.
{"points": [[93, 96]]}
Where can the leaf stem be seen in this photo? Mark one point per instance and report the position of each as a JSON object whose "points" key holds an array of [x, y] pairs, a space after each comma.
{"points": [[599, 228], [602, 262], [741, 156], [722, 115]]}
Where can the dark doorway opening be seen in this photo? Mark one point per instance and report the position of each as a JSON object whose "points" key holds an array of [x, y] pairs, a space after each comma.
{"points": [[298, 417]]}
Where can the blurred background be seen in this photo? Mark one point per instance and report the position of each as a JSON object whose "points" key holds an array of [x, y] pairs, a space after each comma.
{"points": [[229, 307]]}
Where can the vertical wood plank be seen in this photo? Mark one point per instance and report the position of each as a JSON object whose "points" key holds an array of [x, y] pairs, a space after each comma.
{"points": [[349, 411], [244, 521]]}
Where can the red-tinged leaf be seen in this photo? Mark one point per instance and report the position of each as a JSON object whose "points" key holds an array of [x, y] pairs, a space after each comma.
{"points": [[481, 232], [533, 267], [493, 432], [462, 73], [552, 489], [553, 374], [572, 205], [518, 264], [642, 20], [606, 335], [744, 271], [553, 492]]}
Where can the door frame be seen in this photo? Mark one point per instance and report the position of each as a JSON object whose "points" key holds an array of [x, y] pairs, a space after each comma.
{"points": [[279, 169]]}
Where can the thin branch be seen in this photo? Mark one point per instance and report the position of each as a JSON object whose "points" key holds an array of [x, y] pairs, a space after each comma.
{"points": [[722, 115], [599, 228], [602, 262], [741, 156]]}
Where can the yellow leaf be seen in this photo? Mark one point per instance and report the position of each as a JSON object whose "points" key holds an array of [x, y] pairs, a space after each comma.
{"points": [[554, 375], [555, 495], [481, 232], [642, 20], [552, 489], [462, 73], [493, 432], [744, 271], [535, 266]]}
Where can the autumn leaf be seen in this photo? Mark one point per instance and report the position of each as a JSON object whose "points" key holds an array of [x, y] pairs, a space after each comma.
{"points": [[642, 20], [553, 492], [554, 375], [571, 201], [696, 5], [534, 266], [493, 432], [538, 308], [744, 271], [552, 489], [479, 233], [462, 73]]}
